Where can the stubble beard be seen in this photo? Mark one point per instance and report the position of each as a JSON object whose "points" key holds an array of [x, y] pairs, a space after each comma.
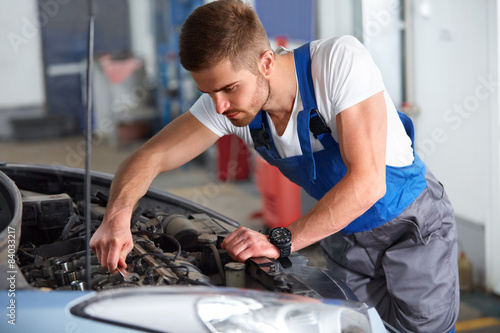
{"points": [[260, 99]]}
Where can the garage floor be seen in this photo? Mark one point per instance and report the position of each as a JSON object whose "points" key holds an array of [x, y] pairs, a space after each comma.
{"points": [[479, 312]]}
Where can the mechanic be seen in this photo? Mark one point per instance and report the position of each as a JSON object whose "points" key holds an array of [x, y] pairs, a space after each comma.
{"points": [[321, 114]]}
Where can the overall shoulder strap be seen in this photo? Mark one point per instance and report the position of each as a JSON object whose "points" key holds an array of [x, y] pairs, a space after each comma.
{"points": [[317, 125], [302, 57], [259, 132]]}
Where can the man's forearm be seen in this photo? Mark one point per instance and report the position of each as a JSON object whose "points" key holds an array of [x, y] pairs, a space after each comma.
{"points": [[131, 182], [349, 199]]}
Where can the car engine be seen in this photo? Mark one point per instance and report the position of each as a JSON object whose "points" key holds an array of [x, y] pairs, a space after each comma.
{"points": [[169, 249], [176, 242]]}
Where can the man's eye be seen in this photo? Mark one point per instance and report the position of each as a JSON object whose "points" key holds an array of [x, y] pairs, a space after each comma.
{"points": [[230, 88]]}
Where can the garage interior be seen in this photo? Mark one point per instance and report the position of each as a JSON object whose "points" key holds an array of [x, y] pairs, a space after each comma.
{"points": [[440, 71]]}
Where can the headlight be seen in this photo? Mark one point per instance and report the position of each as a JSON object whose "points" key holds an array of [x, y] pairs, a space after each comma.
{"points": [[242, 314]]}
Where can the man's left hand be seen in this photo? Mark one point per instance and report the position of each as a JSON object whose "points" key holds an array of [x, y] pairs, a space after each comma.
{"points": [[245, 243]]}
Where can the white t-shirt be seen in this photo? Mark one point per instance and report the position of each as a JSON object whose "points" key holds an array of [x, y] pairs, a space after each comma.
{"points": [[344, 74]]}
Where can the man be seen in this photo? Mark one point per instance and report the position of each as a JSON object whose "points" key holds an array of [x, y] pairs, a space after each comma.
{"points": [[322, 115]]}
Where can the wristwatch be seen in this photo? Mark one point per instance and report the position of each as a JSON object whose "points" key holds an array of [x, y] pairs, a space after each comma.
{"points": [[282, 238]]}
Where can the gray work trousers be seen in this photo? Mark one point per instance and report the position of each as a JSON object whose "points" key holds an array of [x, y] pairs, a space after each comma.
{"points": [[407, 268]]}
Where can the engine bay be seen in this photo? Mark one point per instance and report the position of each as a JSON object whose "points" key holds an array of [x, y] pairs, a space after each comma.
{"points": [[176, 242], [169, 249]]}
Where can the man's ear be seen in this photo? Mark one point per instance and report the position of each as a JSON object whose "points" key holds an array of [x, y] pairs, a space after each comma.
{"points": [[266, 62]]}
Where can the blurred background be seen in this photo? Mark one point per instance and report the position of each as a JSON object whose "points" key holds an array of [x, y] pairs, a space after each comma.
{"points": [[440, 61]]}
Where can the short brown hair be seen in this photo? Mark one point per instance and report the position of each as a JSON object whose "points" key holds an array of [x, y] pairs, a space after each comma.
{"points": [[220, 30]]}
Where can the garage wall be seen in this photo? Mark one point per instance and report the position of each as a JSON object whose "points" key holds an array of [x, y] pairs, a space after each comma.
{"points": [[141, 30], [21, 82], [382, 36], [22, 91], [336, 18], [453, 90]]}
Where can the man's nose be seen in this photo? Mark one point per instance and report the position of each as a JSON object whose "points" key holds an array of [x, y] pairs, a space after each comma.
{"points": [[221, 103]]}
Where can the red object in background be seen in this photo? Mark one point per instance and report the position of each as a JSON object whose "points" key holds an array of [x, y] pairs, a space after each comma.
{"points": [[280, 197], [118, 70], [282, 41], [233, 160], [130, 132]]}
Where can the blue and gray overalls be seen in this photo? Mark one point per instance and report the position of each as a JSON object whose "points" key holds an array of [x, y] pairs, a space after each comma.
{"points": [[399, 256]]}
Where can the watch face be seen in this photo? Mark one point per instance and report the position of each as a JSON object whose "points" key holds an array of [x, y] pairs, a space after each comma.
{"points": [[281, 235]]}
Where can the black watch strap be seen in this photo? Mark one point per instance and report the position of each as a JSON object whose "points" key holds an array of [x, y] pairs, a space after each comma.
{"points": [[284, 251], [285, 262]]}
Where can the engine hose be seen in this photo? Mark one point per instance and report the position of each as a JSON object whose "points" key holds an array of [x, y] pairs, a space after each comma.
{"points": [[69, 225], [25, 253], [135, 216], [102, 197], [218, 262], [79, 229], [164, 235]]}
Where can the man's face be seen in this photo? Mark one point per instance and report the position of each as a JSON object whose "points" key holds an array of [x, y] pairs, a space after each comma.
{"points": [[238, 95]]}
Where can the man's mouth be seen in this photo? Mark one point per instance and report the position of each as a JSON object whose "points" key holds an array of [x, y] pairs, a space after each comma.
{"points": [[231, 115]]}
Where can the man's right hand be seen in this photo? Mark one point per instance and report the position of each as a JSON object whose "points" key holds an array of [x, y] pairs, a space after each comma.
{"points": [[112, 241]]}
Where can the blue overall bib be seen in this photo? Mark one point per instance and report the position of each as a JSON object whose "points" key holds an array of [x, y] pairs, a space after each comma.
{"points": [[318, 172], [407, 238]]}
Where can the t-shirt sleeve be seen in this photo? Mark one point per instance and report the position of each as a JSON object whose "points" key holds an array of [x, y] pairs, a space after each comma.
{"points": [[204, 110], [350, 72]]}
